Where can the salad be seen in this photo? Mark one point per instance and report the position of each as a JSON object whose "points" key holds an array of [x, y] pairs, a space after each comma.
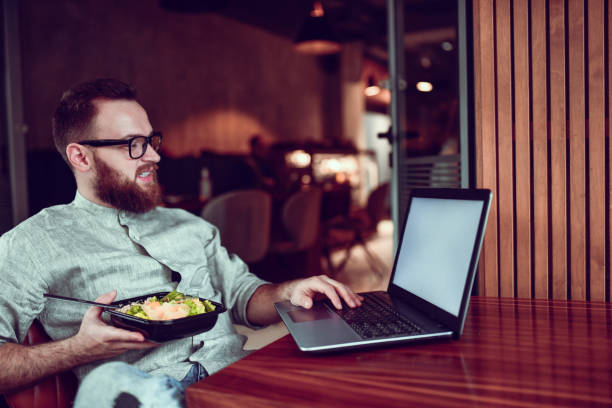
{"points": [[174, 305]]}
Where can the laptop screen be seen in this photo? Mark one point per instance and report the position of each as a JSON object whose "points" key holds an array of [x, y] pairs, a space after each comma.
{"points": [[437, 247]]}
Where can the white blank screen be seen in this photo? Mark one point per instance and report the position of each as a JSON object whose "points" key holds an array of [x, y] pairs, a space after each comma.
{"points": [[436, 250]]}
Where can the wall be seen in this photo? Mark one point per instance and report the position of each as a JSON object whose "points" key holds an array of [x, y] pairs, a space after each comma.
{"points": [[6, 210], [542, 77], [207, 82]]}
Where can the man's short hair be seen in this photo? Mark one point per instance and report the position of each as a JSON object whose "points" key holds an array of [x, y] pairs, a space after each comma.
{"points": [[76, 110]]}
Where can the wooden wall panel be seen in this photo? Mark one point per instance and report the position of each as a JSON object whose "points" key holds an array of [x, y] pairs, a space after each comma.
{"points": [[608, 135], [546, 159], [577, 139], [539, 70], [597, 144], [486, 136], [478, 134], [522, 149], [558, 148], [504, 147]]}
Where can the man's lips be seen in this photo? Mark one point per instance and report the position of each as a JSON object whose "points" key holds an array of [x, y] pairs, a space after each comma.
{"points": [[147, 176], [147, 173]]}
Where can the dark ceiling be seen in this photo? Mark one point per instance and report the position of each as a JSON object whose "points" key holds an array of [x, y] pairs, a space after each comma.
{"points": [[351, 20]]}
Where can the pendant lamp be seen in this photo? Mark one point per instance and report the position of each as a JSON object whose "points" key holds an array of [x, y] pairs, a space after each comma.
{"points": [[315, 36]]}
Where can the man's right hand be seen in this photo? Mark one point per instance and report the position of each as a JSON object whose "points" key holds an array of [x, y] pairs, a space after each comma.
{"points": [[95, 340], [99, 340]]}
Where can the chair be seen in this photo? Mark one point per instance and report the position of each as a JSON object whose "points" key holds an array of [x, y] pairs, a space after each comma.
{"points": [[300, 217], [243, 220], [55, 391], [359, 225]]}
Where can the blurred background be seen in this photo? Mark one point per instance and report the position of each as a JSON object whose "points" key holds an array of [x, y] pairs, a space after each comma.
{"points": [[248, 98]]}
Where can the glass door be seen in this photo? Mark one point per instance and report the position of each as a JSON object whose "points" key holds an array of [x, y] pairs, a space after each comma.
{"points": [[429, 82], [13, 188]]}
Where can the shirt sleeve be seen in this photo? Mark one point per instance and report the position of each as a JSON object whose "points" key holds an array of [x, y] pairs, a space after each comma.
{"points": [[21, 298], [231, 276]]}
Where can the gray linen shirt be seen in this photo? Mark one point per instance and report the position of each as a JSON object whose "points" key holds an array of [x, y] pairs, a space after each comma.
{"points": [[84, 250]]}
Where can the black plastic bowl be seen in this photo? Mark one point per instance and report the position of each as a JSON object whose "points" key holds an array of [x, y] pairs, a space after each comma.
{"points": [[164, 330]]}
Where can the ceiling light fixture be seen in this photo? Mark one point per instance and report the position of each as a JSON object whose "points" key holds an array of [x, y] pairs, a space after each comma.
{"points": [[447, 46], [424, 86], [316, 37]]}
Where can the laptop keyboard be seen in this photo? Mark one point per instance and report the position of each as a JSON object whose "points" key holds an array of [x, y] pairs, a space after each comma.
{"points": [[376, 318]]}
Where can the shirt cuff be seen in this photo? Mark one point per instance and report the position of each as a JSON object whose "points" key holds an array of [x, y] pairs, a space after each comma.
{"points": [[248, 293]]}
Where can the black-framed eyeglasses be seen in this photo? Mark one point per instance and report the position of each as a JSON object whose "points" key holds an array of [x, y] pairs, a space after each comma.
{"points": [[137, 145]]}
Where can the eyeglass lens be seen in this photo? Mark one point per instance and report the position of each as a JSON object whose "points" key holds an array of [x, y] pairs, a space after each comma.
{"points": [[138, 145]]}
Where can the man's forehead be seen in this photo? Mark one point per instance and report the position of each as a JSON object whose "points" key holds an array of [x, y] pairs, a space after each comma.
{"points": [[119, 118]]}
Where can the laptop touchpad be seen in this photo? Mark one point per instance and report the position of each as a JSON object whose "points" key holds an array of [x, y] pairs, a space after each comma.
{"points": [[317, 312]]}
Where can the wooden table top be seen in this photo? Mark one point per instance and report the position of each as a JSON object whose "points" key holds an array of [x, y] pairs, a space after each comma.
{"points": [[526, 353]]}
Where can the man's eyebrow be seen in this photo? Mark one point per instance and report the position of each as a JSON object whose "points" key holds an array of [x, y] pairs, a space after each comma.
{"points": [[136, 135]]}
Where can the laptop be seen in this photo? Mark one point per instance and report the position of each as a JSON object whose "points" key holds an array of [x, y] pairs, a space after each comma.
{"points": [[430, 286]]}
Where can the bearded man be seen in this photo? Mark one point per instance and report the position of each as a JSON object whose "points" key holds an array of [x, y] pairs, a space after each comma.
{"points": [[114, 241]]}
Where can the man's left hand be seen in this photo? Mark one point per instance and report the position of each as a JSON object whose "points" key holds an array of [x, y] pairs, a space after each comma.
{"points": [[303, 292]]}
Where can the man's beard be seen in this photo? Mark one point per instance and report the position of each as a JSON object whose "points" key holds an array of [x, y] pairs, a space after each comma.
{"points": [[113, 188]]}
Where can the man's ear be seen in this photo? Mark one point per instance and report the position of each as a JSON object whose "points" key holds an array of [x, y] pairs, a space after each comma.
{"points": [[79, 156]]}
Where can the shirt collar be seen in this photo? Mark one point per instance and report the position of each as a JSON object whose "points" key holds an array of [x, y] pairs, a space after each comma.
{"points": [[110, 213], [96, 209]]}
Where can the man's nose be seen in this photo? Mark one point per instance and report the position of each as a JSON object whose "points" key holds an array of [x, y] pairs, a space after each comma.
{"points": [[151, 155]]}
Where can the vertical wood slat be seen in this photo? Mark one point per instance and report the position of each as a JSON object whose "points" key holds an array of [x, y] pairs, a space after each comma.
{"points": [[596, 134], [558, 148], [478, 130], [577, 159], [522, 149], [504, 147], [485, 73], [540, 148], [609, 16]]}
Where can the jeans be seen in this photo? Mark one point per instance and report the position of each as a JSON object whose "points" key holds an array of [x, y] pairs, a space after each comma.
{"points": [[120, 385], [195, 374]]}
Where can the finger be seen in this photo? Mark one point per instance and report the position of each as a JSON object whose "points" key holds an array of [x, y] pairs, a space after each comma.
{"points": [[145, 343], [329, 290], [302, 298], [324, 285], [135, 346], [343, 292], [356, 297], [93, 312], [108, 297], [115, 334], [351, 298], [307, 302]]}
